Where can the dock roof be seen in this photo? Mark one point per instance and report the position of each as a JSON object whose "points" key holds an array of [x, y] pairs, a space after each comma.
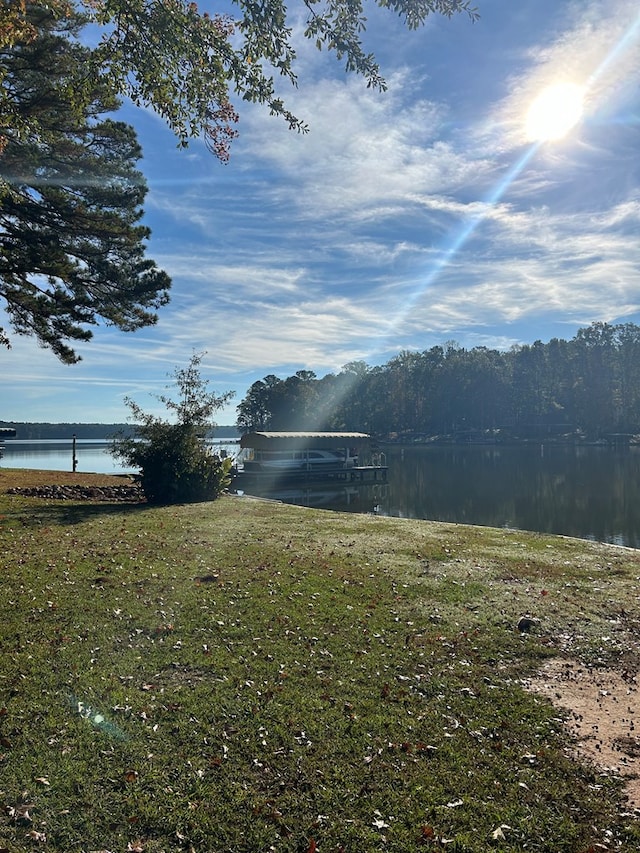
{"points": [[297, 440]]}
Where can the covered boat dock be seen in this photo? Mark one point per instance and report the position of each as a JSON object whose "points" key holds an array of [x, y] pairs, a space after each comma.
{"points": [[345, 457]]}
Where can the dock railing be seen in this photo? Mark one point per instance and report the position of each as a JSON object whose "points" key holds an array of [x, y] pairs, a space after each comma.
{"points": [[379, 459]]}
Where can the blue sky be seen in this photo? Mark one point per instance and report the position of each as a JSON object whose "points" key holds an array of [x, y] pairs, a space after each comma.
{"points": [[402, 220]]}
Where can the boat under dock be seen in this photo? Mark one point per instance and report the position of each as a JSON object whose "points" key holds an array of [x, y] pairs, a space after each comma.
{"points": [[274, 458]]}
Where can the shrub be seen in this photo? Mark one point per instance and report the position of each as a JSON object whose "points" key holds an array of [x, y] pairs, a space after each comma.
{"points": [[175, 463]]}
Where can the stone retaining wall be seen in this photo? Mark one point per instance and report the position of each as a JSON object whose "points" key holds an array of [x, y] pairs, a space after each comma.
{"points": [[112, 494]]}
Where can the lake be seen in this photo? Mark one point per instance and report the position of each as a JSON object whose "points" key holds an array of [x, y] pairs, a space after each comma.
{"points": [[54, 455], [57, 455], [587, 492]]}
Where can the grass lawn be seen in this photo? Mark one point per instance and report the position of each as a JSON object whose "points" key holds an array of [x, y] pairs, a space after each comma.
{"points": [[248, 676]]}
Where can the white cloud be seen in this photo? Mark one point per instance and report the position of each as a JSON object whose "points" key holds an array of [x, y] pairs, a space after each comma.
{"points": [[366, 154]]}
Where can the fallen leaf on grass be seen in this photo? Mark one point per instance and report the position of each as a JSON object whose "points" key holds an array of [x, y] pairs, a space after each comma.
{"points": [[379, 823], [427, 833], [40, 837], [498, 834], [20, 814]]}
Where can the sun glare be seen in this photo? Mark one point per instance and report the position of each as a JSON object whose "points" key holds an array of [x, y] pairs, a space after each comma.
{"points": [[554, 112]]}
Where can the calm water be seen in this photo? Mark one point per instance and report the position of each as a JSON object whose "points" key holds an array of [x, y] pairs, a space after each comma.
{"points": [[590, 492], [91, 454]]}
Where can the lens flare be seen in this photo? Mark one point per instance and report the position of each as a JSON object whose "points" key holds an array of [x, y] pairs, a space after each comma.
{"points": [[96, 718], [554, 112]]}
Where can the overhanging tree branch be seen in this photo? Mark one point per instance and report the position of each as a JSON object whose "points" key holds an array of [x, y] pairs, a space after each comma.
{"points": [[189, 65]]}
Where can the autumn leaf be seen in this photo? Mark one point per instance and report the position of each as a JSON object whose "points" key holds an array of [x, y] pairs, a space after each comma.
{"points": [[498, 834], [378, 822], [20, 814], [34, 835], [427, 834]]}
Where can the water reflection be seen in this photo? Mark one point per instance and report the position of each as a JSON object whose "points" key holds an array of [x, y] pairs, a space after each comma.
{"points": [[590, 492], [359, 498]]}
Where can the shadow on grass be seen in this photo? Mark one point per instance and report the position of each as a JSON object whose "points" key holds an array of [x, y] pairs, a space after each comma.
{"points": [[38, 514]]}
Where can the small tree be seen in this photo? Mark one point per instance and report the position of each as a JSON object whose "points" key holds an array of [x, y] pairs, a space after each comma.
{"points": [[176, 466]]}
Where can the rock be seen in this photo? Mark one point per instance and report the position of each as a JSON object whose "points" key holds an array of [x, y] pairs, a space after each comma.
{"points": [[110, 494]]}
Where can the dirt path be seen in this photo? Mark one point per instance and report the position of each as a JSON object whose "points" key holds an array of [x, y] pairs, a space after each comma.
{"points": [[603, 708]]}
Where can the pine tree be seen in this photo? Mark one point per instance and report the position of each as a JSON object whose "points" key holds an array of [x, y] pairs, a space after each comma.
{"points": [[72, 251]]}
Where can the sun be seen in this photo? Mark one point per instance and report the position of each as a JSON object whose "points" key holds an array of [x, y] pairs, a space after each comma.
{"points": [[554, 112]]}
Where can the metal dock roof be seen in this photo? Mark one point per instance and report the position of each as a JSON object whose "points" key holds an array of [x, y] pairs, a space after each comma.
{"points": [[296, 440]]}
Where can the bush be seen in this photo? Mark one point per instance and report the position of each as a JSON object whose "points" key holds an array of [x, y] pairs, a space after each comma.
{"points": [[176, 465]]}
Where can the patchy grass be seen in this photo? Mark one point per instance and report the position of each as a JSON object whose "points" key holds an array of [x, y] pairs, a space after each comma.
{"points": [[248, 676]]}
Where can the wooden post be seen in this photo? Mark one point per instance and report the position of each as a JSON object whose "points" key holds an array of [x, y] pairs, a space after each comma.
{"points": [[73, 454]]}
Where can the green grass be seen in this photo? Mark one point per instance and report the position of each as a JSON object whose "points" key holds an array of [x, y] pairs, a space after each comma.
{"points": [[246, 676]]}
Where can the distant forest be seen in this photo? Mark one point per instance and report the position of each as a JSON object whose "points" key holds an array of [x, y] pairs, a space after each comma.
{"points": [[50, 431], [588, 385]]}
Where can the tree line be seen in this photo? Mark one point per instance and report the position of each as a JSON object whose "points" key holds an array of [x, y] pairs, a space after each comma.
{"points": [[39, 431], [589, 384], [35, 431]]}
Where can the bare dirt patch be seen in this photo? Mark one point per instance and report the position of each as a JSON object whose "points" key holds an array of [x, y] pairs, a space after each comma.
{"points": [[602, 709]]}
